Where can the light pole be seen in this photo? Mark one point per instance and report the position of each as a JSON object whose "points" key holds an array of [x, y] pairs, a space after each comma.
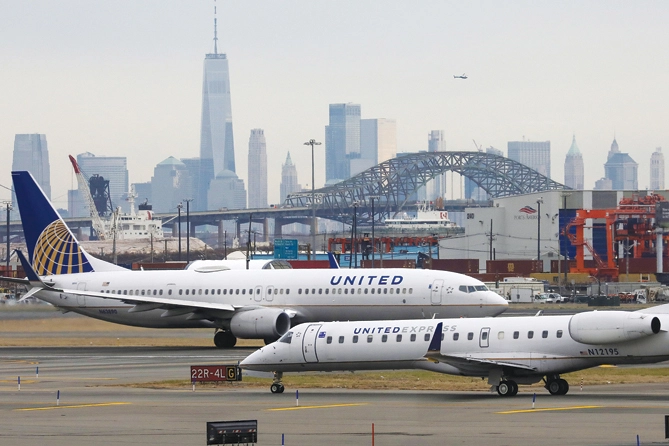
{"points": [[9, 209], [188, 200], [179, 206], [539, 201], [312, 142], [373, 198], [354, 240]]}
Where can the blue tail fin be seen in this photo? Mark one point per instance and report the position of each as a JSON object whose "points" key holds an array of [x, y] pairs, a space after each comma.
{"points": [[333, 261], [52, 248], [435, 344]]}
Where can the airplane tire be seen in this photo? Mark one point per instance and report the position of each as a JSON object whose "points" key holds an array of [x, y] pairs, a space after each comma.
{"points": [[514, 388], [554, 387], [564, 387], [224, 339], [504, 388], [276, 388]]}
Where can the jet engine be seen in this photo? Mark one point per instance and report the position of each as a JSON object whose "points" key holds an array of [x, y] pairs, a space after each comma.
{"points": [[260, 323], [608, 327]]}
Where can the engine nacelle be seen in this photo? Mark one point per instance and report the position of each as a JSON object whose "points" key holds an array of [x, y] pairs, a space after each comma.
{"points": [[608, 327], [261, 323]]}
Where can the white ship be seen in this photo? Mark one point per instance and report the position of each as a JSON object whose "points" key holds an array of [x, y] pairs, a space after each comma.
{"points": [[427, 220], [136, 225]]}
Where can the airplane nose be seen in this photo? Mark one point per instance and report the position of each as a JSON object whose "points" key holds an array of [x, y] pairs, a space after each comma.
{"points": [[497, 300], [256, 358]]}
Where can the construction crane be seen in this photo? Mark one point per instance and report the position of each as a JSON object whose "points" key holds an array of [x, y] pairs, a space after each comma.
{"points": [[478, 147], [85, 192]]}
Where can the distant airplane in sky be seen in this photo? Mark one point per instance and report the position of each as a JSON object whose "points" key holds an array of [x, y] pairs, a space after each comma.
{"points": [[464, 76]]}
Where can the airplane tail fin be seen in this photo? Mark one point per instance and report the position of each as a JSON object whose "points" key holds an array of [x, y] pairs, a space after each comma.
{"points": [[333, 261], [435, 343], [52, 248]]}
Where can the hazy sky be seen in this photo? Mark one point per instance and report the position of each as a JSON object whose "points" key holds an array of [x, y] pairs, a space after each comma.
{"points": [[124, 77]]}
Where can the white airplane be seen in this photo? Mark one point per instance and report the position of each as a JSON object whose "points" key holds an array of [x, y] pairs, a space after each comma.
{"points": [[252, 304], [506, 350]]}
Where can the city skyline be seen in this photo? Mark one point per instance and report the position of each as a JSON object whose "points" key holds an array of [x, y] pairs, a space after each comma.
{"points": [[104, 86]]}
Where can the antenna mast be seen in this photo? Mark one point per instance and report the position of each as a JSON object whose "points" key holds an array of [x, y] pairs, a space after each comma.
{"points": [[215, 31]]}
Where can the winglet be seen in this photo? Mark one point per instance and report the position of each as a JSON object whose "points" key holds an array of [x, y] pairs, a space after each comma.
{"points": [[333, 261], [435, 344]]}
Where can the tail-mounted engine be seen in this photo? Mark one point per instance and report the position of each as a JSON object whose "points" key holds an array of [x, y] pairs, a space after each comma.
{"points": [[608, 327], [261, 323]]}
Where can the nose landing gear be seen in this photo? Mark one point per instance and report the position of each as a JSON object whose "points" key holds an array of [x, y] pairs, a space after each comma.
{"points": [[277, 386]]}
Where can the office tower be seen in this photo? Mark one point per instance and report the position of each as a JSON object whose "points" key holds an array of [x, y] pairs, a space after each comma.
{"points": [[437, 186], [621, 169], [657, 170], [342, 141], [289, 182], [112, 168], [226, 191], [257, 169], [169, 185], [143, 193], [378, 139], [603, 184], [32, 154], [534, 154], [573, 167], [217, 150], [193, 167]]}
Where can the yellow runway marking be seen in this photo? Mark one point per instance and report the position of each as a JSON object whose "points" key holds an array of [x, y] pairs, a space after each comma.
{"points": [[77, 406], [317, 407], [548, 409]]}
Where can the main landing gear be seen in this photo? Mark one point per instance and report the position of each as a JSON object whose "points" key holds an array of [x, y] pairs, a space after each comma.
{"points": [[556, 385], [277, 386], [507, 388], [224, 339]]}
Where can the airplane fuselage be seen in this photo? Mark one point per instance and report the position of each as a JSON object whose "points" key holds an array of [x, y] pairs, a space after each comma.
{"points": [[322, 294]]}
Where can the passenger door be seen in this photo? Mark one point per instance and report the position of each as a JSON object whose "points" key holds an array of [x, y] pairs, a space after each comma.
{"points": [[257, 293], [309, 343], [435, 295], [81, 300]]}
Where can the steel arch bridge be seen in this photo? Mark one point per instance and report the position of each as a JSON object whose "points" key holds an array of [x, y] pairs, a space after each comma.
{"points": [[392, 183]]}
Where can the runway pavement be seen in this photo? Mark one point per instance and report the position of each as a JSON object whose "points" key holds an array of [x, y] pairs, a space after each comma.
{"points": [[97, 407]]}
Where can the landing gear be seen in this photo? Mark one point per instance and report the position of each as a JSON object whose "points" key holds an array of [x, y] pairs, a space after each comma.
{"points": [[224, 339], [507, 388], [556, 385], [277, 386]]}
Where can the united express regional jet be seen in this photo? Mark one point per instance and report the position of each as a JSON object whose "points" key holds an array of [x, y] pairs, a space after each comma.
{"points": [[508, 351], [252, 304]]}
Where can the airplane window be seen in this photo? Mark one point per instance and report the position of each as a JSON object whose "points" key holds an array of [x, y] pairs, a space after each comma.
{"points": [[213, 291], [500, 335], [187, 292], [391, 291], [160, 292], [470, 336], [370, 338], [481, 288], [287, 290], [372, 290], [339, 291], [329, 340], [355, 339], [463, 288], [287, 338], [313, 291], [218, 291], [169, 292], [359, 290], [306, 291], [320, 291], [559, 333], [257, 291], [194, 291], [180, 292], [206, 292], [456, 336], [530, 334], [399, 338], [471, 289], [345, 290], [236, 290], [125, 292], [404, 290], [385, 291], [410, 290], [341, 339], [199, 291], [142, 292], [413, 337], [384, 338], [427, 337], [243, 290], [484, 335], [299, 291], [544, 334], [250, 291], [327, 291]]}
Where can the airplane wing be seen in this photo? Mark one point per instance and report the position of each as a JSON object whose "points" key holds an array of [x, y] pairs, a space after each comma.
{"points": [[463, 362]]}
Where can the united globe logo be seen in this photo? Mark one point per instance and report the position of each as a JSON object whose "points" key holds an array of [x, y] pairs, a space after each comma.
{"points": [[57, 252]]}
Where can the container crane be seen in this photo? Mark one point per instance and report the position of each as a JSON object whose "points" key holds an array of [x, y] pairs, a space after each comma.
{"points": [[85, 192]]}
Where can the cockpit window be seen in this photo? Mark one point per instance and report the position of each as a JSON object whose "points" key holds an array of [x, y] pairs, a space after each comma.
{"points": [[481, 288], [471, 289], [463, 288], [287, 338]]}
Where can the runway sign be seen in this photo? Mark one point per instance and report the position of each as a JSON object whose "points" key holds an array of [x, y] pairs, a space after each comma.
{"points": [[212, 373]]}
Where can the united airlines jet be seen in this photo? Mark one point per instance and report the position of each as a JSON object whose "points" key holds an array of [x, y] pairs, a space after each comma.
{"points": [[251, 304], [508, 351]]}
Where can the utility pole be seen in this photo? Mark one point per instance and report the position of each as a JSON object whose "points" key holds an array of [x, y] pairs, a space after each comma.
{"points": [[179, 206], [188, 200], [312, 143], [539, 201], [9, 209], [373, 197]]}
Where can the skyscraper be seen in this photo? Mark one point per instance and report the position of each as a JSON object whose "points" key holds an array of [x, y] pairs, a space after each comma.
{"points": [[289, 182], [621, 169], [437, 186], [657, 170], [534, 154], [342, 141], [169, 184], [573, 167], [257, 169], [32, 154], [217, 150]]}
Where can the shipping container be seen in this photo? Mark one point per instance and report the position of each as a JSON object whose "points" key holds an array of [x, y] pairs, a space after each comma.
{"points": [[518, 267], [464, 266]]}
